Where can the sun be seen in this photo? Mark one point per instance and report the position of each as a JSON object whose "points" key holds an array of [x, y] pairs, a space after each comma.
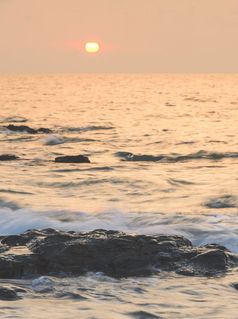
{"points": [[92, 47]]}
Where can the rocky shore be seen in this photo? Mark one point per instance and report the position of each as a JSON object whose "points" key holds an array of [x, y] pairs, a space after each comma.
{"points": [[27, 129], [116, 254]]}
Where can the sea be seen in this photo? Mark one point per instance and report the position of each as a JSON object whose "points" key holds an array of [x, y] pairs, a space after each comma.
{"points": [[164, 160]]}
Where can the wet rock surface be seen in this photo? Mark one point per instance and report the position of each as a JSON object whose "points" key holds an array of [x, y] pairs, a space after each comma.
{"points": [[8, 157], [72, 159], [27, 129], [114, 253], [8, 293]]}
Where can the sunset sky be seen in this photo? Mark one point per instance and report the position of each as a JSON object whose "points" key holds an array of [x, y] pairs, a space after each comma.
{"points": [[134, 35]]}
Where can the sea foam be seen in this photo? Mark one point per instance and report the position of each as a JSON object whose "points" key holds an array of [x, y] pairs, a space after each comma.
{"points": [[200, 229], [53, 140]]}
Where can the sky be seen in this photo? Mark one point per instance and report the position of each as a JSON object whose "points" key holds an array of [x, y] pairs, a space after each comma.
{"points": [[162, 36]]}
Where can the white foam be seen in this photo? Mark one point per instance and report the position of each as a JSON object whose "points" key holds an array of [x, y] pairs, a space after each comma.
{"points": [[53, 140], [200, 229], [42, 284]]}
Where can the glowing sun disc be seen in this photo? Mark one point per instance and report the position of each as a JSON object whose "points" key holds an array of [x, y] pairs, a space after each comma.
{"points": [[92, 47]]}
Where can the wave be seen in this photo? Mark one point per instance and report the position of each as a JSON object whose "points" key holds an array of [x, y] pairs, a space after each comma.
{"points": [[18, 139], [89, 128], [200, 229], [53, 140], [13, 119], [127, 156], [11, 191], [226, 201], [201, 100], [71, 170], [86, 182]]}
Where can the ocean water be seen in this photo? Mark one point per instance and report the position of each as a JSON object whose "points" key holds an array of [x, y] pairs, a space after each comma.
{"points": [[164, 160]]}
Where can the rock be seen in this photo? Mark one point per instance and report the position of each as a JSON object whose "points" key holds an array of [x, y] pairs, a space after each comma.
{"points": [[21, 128], [27, 129], [216, 246], [72, 159], [13, 264], [44, 130], [3, 248], [235, 285], [8, 157], [211, 259], [226, 201], [116, 254], [14, 240], [9, 294]]}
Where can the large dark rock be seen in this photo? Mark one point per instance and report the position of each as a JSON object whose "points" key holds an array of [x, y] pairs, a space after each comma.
{"points": [[72, 159], [114, 253], [27, 129], [8, 157], [9, 294]]}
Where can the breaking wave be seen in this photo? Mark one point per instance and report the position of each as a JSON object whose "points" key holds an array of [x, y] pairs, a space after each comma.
{"points": [[53, 140], [200, 229]]}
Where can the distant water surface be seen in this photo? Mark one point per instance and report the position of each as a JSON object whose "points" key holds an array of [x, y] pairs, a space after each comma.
{"points": [[164, 159]]}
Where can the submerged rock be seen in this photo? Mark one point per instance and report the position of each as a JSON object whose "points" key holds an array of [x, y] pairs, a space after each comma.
{"points": [[44, 130], [8, 157], [72, 159], [113, 253], [226, 201], [9, 294], [27, 129]]}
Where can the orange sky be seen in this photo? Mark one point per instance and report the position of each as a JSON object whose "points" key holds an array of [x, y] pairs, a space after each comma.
{"points": [[134, 35]]}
